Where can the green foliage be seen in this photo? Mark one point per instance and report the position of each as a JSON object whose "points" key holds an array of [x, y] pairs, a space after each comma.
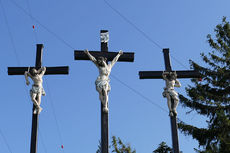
{"points": [[118, 146], [211, 96], [163, 148], [99, 148]]}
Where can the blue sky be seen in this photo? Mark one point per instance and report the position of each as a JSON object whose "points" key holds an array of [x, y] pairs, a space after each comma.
{"points": [[71, 108]]}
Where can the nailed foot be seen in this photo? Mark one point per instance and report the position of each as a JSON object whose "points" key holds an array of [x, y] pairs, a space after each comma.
{"points": [[106, 110], [37, 110]]}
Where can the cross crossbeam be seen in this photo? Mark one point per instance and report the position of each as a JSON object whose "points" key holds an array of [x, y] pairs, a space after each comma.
{"points": [[49, 70], [38, 64], [126, 57], [158, 74]]}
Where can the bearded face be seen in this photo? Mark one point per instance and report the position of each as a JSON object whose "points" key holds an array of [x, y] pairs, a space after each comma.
{"points": [[171, 77], [34, 72], [100, 61]]}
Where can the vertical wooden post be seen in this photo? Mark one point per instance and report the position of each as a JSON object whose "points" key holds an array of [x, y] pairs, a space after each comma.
{"points": [[34, 133], [104, 115], [175, 140], [173, 119], [35, 117]]}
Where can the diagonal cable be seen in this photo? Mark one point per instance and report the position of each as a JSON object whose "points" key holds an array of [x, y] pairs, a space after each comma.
{"points": [[179, 62], [42, 140], [139, 93], [30, 12], [7, 144], [9, 32], [54, 114], [139, 30], [132, 24], [42, 25]]}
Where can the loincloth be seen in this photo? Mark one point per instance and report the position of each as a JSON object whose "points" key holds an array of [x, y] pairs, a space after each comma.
{"points": [[171, 92], [102, 84], [37, 90]]}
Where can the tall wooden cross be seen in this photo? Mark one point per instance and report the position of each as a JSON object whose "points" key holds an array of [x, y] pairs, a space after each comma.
{"points": [[126, 57], [158, 75], [49, 71]]}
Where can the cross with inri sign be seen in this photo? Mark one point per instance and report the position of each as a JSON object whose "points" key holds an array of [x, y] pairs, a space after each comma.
{"points": [[100, 59]]}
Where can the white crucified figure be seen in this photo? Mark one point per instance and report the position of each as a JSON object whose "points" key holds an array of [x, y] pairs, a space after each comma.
{"points": [[102, 82], [37, 89], [169, 91]]}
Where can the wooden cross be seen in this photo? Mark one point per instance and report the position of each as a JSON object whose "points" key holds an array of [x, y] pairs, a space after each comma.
{"points": [[126, 57], [158, 75], [49, 71]]}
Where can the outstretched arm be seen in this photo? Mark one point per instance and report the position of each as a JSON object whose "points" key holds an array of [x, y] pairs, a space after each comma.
{"points": [[93, 59], [26, 74], [177, 83], [42, 70], [116, 58], [164, 75]]}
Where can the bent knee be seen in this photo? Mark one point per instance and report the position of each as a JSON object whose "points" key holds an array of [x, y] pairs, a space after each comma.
{"points": [[176, 100], [34, 99]]}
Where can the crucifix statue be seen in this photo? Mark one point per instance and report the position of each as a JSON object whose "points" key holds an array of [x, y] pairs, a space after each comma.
{"points": [[102, 82], [37, 89], [100, 59], [169, 92], [36, 73]]}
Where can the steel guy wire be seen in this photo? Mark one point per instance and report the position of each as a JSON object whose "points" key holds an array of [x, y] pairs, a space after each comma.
{"points": [[138, 29], [141, 95], [54, 114], [11, 36], [30, 12], [179, 62], [138, 93], [5, 141], [9, 31], [42, 25], [42, 140], [132, 24], [15, 53]]}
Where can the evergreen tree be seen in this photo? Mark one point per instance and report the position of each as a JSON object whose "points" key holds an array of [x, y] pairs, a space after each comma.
{"points": [[117, 146], [163, 148], [99, 148], [120, 147], [211, 96]]}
